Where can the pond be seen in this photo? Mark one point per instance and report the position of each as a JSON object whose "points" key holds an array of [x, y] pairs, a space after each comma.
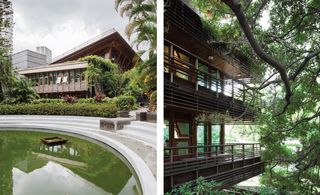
{"points": [[79, 167]]}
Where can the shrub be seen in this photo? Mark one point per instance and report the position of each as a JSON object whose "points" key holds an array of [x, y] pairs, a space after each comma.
{"points": [[126, 102], [108, 100], [99, 97], [98, 110], [69, 99], [20, 91], [86, 101], [47, 100]]}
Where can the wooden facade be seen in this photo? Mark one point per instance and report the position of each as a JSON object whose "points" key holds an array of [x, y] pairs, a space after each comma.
{"points": [[199, 78], [64, 76]]}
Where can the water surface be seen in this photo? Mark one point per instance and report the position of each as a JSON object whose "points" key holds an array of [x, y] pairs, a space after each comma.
{"points": [[80, 167]]}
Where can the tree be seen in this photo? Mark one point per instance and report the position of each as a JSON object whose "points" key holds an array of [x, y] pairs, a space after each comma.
{"points": [[6, 72], [20, 91], [286, 65], [142, 26], [115, 83], [97, 67]]}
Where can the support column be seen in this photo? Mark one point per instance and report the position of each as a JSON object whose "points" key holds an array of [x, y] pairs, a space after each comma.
{"points": [[209, 133], [222, 137]]}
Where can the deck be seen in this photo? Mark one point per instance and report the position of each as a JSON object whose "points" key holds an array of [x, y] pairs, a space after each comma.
{"points": [[228, 163]]}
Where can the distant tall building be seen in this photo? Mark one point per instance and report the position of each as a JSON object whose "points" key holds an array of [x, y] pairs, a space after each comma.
{"points": [[28, 59], [6, 33], [45, 51]]}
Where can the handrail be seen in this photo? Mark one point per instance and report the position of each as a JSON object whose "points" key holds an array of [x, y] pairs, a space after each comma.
{"points": [[231, 151], [209, 80], [213, 145]]}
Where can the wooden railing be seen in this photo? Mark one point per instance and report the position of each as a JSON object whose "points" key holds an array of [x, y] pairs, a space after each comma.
{"points": [[231, 152], [187, 71], [186, 86], [179, 14], [227, 163]]}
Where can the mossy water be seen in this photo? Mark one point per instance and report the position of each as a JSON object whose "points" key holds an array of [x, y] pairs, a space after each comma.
{"points": [[79, 167]]}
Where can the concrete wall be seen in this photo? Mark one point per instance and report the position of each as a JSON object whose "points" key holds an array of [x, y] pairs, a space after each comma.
{"points": [[28, 59]]}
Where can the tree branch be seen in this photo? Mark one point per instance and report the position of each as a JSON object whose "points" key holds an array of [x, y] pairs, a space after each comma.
{"points": [[235, 6]]}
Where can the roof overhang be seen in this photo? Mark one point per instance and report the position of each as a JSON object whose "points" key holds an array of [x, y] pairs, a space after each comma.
{"points": [[100, 42], [55, 67]]}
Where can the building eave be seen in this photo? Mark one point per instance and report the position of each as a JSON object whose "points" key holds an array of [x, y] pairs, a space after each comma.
{"points": [[54, 67]]}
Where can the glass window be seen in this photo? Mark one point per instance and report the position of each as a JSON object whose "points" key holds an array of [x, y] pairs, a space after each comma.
{"points": [[181, 130], [41, 79], [166, 58], [36, 80], [166, 133], [45, 78], [50, 78], [202, 136], [215, 81], [182, 71], [71, 76], [54, 77], [77, 75], [203, 75], [182, 143], [215, 134], [83, 76]]}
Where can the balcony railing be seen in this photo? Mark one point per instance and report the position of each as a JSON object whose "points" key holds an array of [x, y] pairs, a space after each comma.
{"points": [[187, 86], [179, 14], [228, 163], [230, 152]]}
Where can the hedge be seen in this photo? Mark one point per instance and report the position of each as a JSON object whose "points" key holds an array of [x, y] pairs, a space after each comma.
{"points": [[98, 110]]}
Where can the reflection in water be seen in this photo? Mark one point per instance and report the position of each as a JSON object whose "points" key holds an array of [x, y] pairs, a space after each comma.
{"points": [[78, 167], [52, 178]]}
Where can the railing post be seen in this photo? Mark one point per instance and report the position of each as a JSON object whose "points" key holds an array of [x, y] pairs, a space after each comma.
{"points": [[244, 94], [196, 152], [243, 155], [217, 83], [216, 150], [171, 62], [253, 155], [171, 155], [197, 72], [232, 156], [232, 90]]}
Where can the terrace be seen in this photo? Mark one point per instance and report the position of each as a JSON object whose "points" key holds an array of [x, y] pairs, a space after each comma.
{"points": [[226, 163]]}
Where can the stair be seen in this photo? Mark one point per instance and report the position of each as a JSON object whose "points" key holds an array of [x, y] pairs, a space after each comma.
{"points": [[143, 131]]}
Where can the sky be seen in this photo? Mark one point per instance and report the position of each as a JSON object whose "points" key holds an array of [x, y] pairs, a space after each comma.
{"points": [[62, 24]]}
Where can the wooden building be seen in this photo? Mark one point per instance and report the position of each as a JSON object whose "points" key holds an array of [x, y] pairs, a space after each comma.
{"points": [[200, 78], [64, 76]]}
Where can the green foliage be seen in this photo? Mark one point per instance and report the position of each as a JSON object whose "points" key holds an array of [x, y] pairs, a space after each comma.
{"points": [[201, 186], [47, 100], [20, 91], [143, 24], [97, 110], [292, 34], [134, 90], [214, 118], [115, 83], [86, 101], [96, 70], [126, 102]]}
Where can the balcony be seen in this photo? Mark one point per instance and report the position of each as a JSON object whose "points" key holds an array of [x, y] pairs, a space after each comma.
{"points": [[228, 163], [184, 26], [196, 85]]}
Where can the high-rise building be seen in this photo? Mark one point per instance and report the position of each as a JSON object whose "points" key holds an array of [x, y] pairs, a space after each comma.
{"points": [[45, 51], [6, 32]]}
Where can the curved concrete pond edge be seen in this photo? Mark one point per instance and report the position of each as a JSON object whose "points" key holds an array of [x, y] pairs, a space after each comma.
{"points": [[146, 179]]}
